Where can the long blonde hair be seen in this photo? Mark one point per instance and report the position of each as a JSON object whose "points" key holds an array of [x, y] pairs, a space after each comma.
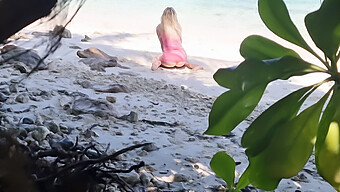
{"points": [[170, 23]]}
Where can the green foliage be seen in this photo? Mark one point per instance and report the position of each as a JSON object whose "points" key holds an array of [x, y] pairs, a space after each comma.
{"points": [[280, 141]]}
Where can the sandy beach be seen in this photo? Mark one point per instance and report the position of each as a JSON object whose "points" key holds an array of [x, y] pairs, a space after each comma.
{"points": [[180, 99]]}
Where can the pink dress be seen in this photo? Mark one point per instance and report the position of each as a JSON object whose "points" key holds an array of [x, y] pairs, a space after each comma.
{"points": [[173, 51]]}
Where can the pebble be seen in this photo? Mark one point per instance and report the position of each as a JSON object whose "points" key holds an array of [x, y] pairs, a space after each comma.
{"points": [[22, 98], [27, 120], [131, 178], [178, 177], [13, 88], [191, 159], [150, 147], [111, 99], [145, 177], [52, 126]]}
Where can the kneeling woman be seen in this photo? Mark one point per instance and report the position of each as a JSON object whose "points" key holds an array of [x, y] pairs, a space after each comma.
{"points": [[170, 36]]}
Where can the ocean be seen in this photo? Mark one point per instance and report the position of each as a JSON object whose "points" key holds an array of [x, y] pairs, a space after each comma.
{"points": [[211, 28]]}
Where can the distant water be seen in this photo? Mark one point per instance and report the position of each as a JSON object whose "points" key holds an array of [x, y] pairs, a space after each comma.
{"points": [[212, 28]]}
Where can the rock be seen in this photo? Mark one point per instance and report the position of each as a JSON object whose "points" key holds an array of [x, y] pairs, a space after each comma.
{"points": [[65, 129], [74, 47], [150, 147], [85, 84], [64, 143], [53, 127], [160, 184], [145, 177], [111, 99], [99, 64], [13, 88], [62, 31], [131, 117], [99, 108], [131, 178], [86, 39], [22, 98], [113, 88], [21, 67], [29, 57], [178, 177], [142, 153], [27, 120], [3, 98], [40, 133], [191, 160], [94, 53], [65, 102]]}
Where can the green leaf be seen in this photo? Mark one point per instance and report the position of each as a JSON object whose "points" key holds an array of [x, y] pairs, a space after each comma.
{"points": [[259, 134], [292, 144], [230, 108], [261, 48], [247, 83], [224, 167], [327, 155], [275, 16], [252, 72], [258, 177], [289, 147], [323, 26]]}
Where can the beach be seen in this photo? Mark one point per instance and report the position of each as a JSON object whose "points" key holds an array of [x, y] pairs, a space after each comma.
{"points": [[180, 99]]}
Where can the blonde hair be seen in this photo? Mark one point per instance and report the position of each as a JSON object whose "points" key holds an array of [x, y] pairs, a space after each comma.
{"points": [[169, 21]]}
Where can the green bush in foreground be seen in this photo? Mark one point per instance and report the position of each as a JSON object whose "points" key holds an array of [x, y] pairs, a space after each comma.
{"points": [[280, 141]]}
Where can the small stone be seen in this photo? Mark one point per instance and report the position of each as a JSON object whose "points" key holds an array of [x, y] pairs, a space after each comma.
{"points": [[22, 98], [119, 133], [21, 67], [132, 117], [111, 99], [150, 147], [53, 127], [145, 177], [178, 177], [191, 160], [3, 98], [220, 145], [142, 153], [40, 133], [86, 39], [192, 139], [131, 178], [27, 120], [13, 88], [163, 172]]}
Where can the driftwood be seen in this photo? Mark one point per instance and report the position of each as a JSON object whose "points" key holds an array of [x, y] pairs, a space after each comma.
{"points": [[77, 168]]}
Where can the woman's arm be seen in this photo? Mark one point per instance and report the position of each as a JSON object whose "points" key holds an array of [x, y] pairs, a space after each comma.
{"points": [[159, 32]]}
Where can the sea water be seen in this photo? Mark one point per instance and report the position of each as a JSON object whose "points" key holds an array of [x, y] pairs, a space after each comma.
{"points": [[211, 28]]}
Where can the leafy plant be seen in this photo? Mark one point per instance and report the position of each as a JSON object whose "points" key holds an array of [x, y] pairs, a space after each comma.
{"points": [[280, 141]]}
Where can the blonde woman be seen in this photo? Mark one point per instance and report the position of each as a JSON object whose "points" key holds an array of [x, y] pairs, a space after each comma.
{"points": [[169, 34]]}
